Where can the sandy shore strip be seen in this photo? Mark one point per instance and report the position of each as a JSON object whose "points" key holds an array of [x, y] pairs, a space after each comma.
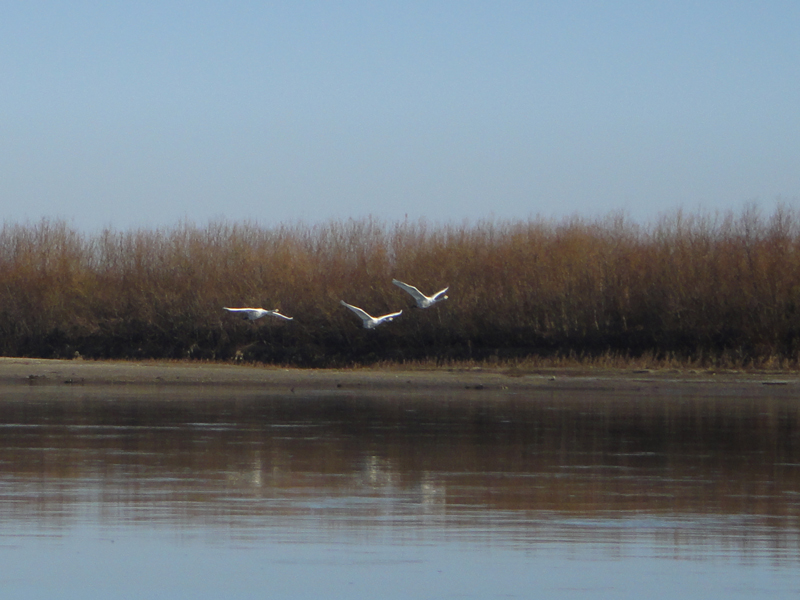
{"points": [[48, 372]]}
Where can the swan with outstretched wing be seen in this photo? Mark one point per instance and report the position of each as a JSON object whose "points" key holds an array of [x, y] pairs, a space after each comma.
{"points": [[368, 320], [421, 299], [251, 314]]}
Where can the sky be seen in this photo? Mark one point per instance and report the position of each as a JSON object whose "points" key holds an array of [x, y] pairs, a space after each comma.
{"points": [[150, 113]]}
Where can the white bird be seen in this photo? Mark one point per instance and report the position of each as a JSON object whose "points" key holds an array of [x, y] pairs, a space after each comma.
{"points": [[367, 320], [421, 299], [256, 313]]}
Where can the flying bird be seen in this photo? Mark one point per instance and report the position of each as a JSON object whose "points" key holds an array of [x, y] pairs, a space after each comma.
{"points": [[421, 299], [252, 314], [369, 321]]}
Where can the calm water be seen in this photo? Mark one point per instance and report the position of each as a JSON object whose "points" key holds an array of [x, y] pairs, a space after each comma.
{"points": [[137, 493]]}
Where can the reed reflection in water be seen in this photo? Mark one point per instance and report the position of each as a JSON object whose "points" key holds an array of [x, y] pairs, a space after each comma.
{"points": [[341, 495]]}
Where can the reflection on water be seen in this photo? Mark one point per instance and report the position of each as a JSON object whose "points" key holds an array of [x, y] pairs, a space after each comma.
{"points": [[414, 479]]}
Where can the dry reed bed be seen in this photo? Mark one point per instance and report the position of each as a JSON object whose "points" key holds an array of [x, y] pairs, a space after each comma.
{"points": [[703, 288]]}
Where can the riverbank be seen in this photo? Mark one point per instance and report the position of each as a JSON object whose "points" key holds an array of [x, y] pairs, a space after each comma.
{"points": [[689, 289], [49, 372]]}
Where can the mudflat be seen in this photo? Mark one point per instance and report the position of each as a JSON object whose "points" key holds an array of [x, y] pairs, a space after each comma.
{"points": [[49, 372]]}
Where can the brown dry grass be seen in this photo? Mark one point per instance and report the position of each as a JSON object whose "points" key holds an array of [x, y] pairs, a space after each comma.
{"points": [[691, 289]]}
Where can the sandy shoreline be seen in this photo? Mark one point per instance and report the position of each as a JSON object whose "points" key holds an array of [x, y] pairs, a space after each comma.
{"points": [[46, 372]]}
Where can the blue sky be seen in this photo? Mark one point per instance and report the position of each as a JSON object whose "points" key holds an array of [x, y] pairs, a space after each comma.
{"points": [[129, 114]]}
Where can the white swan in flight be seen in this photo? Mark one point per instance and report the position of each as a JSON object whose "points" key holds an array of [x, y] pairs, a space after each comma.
{"points": [[256, 313], [421, 299], [368, 321]]}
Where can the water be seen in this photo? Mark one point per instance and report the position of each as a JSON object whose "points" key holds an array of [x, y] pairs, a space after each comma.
{"points": [[208, 493]]}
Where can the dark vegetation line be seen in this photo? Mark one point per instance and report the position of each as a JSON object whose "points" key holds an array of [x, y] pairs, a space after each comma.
{"points": [[712, 289]]}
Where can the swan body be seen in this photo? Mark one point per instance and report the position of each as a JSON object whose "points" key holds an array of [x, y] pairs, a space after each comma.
{"points": [[421, 299], [252, 314], [369, 321]]}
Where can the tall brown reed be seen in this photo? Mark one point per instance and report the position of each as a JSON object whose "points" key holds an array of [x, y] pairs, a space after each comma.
{"points": [[709, 288]]}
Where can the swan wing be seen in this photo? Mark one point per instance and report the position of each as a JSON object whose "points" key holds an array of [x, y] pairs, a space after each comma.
{"points": [[419, 296], [390, 316], [242, 310], [440, 293], [361, 313], [275, 313]]}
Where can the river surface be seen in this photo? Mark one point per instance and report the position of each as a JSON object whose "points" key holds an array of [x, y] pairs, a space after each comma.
{"points": [[210, 493]]}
